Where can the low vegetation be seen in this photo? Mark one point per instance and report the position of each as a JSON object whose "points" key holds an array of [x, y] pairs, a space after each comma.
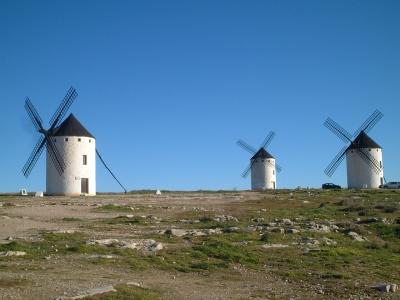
{"points": [[335, 238], [126, 292]]}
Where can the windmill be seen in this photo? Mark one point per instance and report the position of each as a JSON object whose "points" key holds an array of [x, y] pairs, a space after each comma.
{"points": [[71, 151], [262, 166], [363, 154]]}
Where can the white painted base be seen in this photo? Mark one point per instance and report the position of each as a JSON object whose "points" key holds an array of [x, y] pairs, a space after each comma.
{"points": [[263, 175], [72, 151], [360, 175]]}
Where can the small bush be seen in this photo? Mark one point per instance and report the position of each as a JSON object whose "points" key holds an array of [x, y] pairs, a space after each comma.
{"points": [[387, 231], [332, 276], [390, 209], [126, 220], [206, 219], [227, 252], [32, 249], [112, 207], [366, 212], [125, 292], [265, 237], [71, 219]]}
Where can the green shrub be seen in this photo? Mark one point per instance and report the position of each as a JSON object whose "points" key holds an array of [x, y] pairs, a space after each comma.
{"points": [[387, 231]]}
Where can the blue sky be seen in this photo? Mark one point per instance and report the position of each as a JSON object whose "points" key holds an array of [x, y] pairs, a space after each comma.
{"points": [[167, 87]]}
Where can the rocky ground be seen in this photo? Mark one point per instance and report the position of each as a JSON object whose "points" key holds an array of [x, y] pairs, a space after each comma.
{"points": [[303, 244]]}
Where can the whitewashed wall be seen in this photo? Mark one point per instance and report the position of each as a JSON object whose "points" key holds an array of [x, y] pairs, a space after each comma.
{"points": [[263, 175], [359, 173], [69, 183]]}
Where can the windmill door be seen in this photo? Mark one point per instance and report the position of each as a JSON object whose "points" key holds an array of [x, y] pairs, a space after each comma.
{"points": [[84, 185]]}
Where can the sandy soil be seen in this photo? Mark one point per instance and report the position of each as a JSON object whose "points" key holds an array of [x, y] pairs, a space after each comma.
{"points": [[25, 217]]}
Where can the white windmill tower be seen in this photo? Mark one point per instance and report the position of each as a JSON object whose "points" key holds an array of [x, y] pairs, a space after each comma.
{"points": [[363, 154], [77, 147], [263, 166], [71, 152]]}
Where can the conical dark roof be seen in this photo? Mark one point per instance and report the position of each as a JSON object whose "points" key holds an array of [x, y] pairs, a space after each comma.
{"points": [[72, 127], [363, 141], [262, 153]]}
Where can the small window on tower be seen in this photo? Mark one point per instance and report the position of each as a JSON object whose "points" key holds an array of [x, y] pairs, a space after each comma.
{"points": [[380, 164], [66, 139], [273, 172], [85, 160], [90, 140], [79, 139]]}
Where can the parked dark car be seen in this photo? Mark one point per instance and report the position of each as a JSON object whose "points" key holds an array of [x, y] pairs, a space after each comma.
{"points": [[331, 186], [391, 185]]}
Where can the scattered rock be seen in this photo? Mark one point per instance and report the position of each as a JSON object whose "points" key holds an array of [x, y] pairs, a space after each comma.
{"points": [[103, 242], [155, 247], [154, 218], [250, 228], [102, 256], [197, 208], [68, 231], [196, 233], [386, 287], [192, 232], [210, 231], [276, 229], [308, 250], [334, 227], [267, 246], [12, 253], [356, 236], [369, 220], [232, 229], [146, 244], [319, 227], [258, 220], [292, 230], [90, 293], [309, 241], [134, 283], [185, 221], [176, 232], [223, 218], [287, 222], [259, 228], [328, 241]]}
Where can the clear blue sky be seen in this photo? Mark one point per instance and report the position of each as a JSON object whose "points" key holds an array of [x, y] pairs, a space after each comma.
{"points": [[167, 87]]}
